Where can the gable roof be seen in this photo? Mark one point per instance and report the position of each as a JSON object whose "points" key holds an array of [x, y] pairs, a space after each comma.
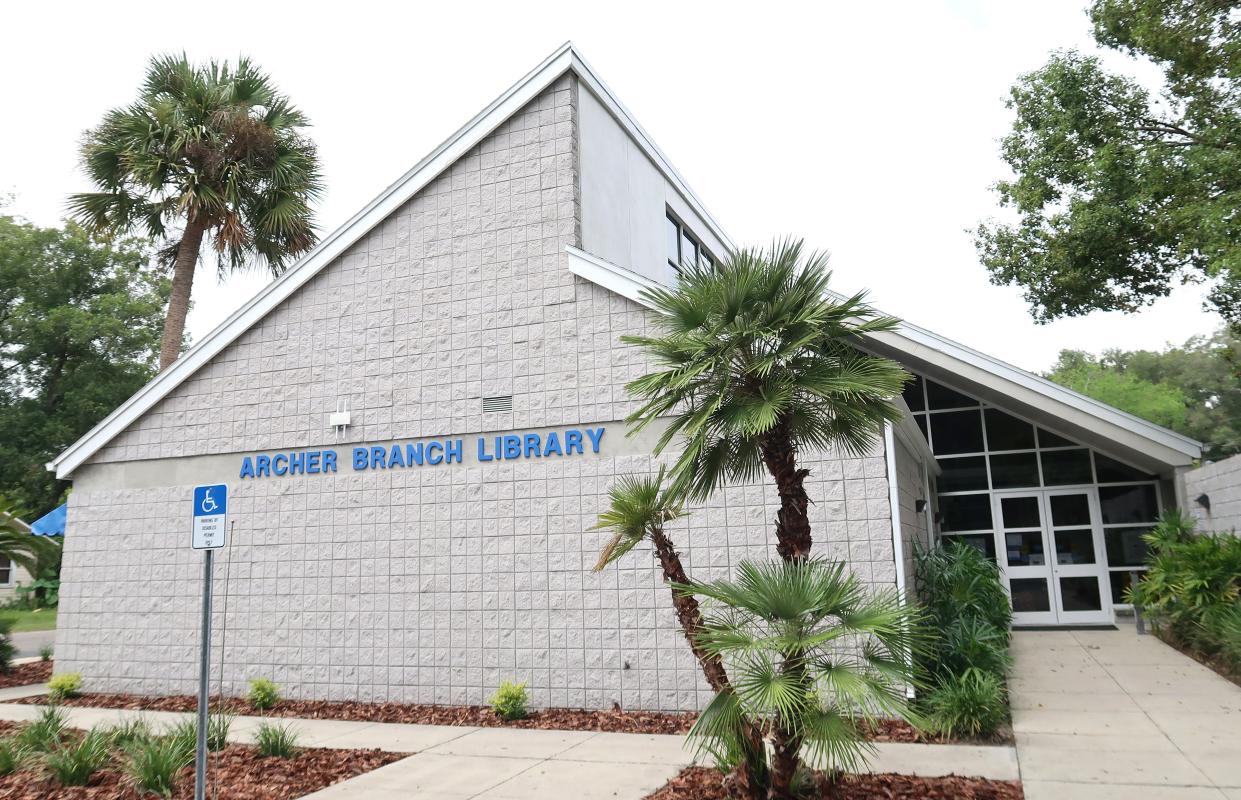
{"points": [[909, 343], [564, 59]]}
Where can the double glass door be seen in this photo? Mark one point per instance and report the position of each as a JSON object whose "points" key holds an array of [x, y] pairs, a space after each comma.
{"points": [[1050, 544]]}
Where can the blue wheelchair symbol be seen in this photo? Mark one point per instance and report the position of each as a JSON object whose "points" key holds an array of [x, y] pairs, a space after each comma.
{"points": [[210, 500]]}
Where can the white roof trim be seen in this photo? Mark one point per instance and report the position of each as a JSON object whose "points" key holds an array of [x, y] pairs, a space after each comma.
{"points": [[563, 60], [910, 339]]}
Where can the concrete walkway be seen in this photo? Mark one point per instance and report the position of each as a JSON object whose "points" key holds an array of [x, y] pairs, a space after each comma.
{"points": [[1110, 714], [457, 762]]}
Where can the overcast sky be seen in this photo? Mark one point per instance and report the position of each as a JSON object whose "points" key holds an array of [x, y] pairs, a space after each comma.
{"points": [[868, 128]]}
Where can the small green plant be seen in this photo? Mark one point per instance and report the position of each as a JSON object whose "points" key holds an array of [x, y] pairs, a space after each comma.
{"points": [[279, 741], [63, 686], [973, 643], [7, 648], [971, 704], [13, 755], [185, 732], [263, 694], [154, 763], [45, 653], [127, 734], [509, 701], [45, 733], [73, 764]]}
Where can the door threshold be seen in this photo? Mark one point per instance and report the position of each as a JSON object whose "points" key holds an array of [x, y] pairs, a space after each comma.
{"points": [[1102, 626]]}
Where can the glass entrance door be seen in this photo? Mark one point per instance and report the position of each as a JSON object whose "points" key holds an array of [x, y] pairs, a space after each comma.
{"points": [[1050, 544]]}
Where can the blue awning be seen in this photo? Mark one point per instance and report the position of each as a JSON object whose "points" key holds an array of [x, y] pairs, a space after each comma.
{"points": [[52, 523]]}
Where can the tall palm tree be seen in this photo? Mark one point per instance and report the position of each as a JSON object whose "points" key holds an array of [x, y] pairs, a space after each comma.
{"points": [[206, 150], [815, 654], [35, 554], [640, 508], [756, 360]]}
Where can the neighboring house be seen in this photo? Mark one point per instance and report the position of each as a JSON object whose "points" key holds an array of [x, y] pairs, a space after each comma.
{"points": [[467, 323], [12, 575]]}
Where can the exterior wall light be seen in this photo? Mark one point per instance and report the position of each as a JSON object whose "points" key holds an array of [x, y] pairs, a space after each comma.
{"points": [[1203, 501]]}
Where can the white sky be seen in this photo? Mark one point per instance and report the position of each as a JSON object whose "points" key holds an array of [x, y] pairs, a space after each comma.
{"points": [[868, 128]]}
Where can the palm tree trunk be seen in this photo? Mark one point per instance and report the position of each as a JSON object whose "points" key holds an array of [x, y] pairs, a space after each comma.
{"points": [[746, 781], [793, 520], [182, 284]]}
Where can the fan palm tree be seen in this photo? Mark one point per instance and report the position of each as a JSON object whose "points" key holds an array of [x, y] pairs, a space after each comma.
{"points": [[756, 361], [207, 150], [35, 554], [814, 654], [640, 508]]}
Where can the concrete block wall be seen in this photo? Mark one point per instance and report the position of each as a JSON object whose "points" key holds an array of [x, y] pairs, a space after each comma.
{"points": [[434, 584], [911, 488], [1221, 482]]}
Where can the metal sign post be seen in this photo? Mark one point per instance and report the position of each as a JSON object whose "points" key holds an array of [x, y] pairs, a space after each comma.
{"points": [[209, 534]]}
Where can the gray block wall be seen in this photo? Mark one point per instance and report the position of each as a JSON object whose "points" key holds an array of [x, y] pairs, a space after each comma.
{"points": [[1221, 482], [428, 584]]}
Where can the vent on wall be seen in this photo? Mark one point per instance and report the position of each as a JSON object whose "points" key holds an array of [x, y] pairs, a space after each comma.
{"points": [[498, 403]]}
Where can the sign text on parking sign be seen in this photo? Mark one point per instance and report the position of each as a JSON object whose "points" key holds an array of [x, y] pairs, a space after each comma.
{"points": [[210, 517]]}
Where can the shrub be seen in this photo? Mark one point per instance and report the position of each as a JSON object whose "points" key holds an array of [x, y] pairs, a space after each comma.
{"points": [[63, 686], [127, 734], [279, 741], [186, 732], [973, 704], [973, 643], [13, 755], [45, 732], [957, 580], [509, 701], [73, 764], [154, 763], [1222, 628], [45, 653], [7, 648], [263, 694]]}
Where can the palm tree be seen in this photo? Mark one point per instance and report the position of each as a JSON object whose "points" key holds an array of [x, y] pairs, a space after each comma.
{"points": [[756, 360], [815, 655], [205, 150], [38, 555], [639, 510]]}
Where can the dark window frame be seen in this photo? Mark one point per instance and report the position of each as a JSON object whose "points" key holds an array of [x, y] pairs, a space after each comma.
{"points": [[684, 233]]}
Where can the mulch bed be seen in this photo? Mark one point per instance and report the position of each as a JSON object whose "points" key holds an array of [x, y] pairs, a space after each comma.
{"points": [[26, 674], [237, 772], [701, 783]]}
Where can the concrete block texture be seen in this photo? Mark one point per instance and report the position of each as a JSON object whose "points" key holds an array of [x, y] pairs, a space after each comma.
{"points": [[425, 585], [1221, 482]]}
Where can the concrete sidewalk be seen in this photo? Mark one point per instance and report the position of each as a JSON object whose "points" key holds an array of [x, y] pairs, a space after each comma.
{"points": [[457, 762], [1110, 714]]}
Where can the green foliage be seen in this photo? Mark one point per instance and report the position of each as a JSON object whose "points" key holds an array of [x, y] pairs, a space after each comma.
{"points": [[13, 755], [214, 142], [73, 764], [45, 733], [1222, 628], [278, 741], [45, 653], [186, 732], [1121, 194], [7, 649], [154, 763], [80, 317], [1194, 389], [509, 701], [972, 703], [38, 555], [971, 642], [956, 581], [756, 359], [127, 734], [263, 694], [63, 686], [639, 506], [1192, 584], [813, 653]]}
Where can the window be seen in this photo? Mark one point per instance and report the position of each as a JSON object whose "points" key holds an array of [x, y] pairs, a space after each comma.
{"points": [[6, 571], [685, 249]]}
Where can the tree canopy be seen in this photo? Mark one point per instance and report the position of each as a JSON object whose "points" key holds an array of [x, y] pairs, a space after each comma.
{"points": [[1122, 192], [80, 323], [1194, 389]]}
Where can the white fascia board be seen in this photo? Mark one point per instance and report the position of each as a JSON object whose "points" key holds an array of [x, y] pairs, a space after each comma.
{"points": [[920, 343], [327, 250]]}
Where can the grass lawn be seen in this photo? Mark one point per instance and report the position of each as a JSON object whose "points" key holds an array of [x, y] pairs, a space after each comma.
{"points": [[43, 619]]}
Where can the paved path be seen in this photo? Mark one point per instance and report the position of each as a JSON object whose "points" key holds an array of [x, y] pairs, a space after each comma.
{"points": [[1102, 715], [457, 762], [29, 643]]}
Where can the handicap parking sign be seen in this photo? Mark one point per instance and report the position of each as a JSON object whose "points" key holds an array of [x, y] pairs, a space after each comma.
{"points": [[210, 517]]}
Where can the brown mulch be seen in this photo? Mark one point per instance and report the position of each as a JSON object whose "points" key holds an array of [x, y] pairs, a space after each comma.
{"points": [[615, 721], [26, 674], [236, 773], [701, 783]]}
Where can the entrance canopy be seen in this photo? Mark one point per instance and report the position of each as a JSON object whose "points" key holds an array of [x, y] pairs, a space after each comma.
{"points": [[52, 523]]}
